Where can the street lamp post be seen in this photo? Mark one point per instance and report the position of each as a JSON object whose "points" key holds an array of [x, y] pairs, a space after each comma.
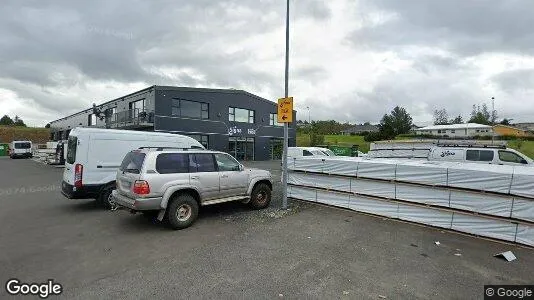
{"points": [[493, 119], [286, 134]]}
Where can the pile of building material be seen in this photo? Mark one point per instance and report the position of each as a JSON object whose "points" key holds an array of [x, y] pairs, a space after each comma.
{"points": [[46, 153], [486, 200]]}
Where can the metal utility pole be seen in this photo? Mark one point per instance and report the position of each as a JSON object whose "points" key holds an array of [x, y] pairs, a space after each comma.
{"points": [[492, 119], [286, 129]]}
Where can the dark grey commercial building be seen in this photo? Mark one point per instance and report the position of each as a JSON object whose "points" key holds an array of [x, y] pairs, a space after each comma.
{"points": [[232, 121]]}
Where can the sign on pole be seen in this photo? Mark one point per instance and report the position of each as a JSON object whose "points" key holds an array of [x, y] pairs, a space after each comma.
{"points": [[285, 110]]}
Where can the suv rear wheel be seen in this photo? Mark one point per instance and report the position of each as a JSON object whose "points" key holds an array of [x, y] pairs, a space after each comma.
{"points": [[261, 196], [106, 199], [182, 211]]}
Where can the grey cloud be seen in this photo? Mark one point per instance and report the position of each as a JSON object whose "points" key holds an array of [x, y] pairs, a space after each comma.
{"points": [[465, 27], [515, 80]]}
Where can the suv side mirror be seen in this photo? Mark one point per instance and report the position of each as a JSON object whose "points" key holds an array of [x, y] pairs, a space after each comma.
{"points": [[241, 167]]}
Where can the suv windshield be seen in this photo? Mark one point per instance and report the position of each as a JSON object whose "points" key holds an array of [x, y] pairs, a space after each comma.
{"points": [[132, 162], [71, 149], [24, 145]]}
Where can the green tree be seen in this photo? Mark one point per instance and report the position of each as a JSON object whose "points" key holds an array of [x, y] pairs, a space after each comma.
{"points": [[505, 121], [480, 115], [441, 117], [6, 120], [397, 122], [457, 120], [18, 122]]}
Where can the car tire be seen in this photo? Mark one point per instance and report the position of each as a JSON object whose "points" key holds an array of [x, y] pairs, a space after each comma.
{"points": [[261, 196], [182, 212], [106, 199]]}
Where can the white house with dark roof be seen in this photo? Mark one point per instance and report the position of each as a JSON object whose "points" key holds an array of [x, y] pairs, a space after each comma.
{"points": [[457, 130]]}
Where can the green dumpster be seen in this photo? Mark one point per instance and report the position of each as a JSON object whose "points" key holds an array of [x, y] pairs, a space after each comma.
{"points": [[341, 151], [4, 149]]}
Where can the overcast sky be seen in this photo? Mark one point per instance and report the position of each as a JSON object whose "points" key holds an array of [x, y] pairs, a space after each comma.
{"points": [[350, 60]]}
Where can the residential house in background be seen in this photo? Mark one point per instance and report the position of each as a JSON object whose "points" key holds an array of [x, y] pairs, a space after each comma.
{"points": [[456, 130], [358, 129], [500, 129], [525, 126], [413, 128]]}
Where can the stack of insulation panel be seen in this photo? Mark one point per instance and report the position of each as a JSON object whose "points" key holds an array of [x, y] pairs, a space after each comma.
{"points": [[486, 200]]}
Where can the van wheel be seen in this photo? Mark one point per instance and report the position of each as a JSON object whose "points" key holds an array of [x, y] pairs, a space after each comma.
{"points": [[106, 199], [261, 196], [182, 211]]}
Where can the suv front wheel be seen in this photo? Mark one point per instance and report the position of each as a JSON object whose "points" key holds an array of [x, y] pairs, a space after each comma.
{"points": [[182, 211], [261, 196]]}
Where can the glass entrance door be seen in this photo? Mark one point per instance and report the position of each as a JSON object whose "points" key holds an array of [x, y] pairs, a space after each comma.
{"points": [[241, 148]]}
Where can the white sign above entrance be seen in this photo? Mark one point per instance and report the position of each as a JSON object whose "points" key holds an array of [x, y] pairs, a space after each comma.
{"points": [[238, 131]]}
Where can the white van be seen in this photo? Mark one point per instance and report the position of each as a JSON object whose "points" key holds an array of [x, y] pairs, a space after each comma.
{"points": [[94, 155], [304, 151], [487, 155], [20, 149]]}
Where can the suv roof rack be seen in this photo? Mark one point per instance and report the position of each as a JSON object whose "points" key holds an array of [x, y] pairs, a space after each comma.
{"points": [[174, 148]]}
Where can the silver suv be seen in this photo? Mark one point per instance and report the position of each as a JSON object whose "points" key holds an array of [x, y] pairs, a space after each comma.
{"points": [[173, 183]]}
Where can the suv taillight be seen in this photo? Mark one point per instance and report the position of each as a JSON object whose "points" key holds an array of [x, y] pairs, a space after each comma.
{"points": [[141, 187], [78, 174]]}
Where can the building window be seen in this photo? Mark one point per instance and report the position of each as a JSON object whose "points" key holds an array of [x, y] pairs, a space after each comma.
{"points": [[453, 131], [439, 130], [240, 115], [136, 107], [110, 116], [202, 139], [91, 120], [273, 120], [189, 109]]}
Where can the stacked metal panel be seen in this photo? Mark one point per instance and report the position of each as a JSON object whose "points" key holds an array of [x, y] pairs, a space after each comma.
{"points": [[485, 200]]}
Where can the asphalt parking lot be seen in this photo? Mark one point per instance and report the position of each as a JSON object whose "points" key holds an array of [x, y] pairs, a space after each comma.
{"points": [[232, 252]]}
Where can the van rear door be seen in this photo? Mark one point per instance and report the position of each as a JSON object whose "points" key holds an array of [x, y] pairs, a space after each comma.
{"points": [[72, 147]]}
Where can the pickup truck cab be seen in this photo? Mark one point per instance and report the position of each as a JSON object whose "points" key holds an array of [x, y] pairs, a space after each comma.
{"points": [[174, 183], [485, 155]]}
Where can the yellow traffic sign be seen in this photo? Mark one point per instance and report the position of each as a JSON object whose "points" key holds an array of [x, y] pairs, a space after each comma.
{"points": [[285, 110]]}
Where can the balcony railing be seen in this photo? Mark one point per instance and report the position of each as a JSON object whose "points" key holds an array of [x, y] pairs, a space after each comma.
{"points": [[131, 118]]}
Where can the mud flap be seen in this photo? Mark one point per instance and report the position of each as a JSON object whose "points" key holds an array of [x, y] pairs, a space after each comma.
{"points": [[161, 214]]}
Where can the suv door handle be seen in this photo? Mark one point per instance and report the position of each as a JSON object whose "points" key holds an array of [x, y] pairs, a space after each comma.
{"points": [[224, 176], [195, 177]]}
